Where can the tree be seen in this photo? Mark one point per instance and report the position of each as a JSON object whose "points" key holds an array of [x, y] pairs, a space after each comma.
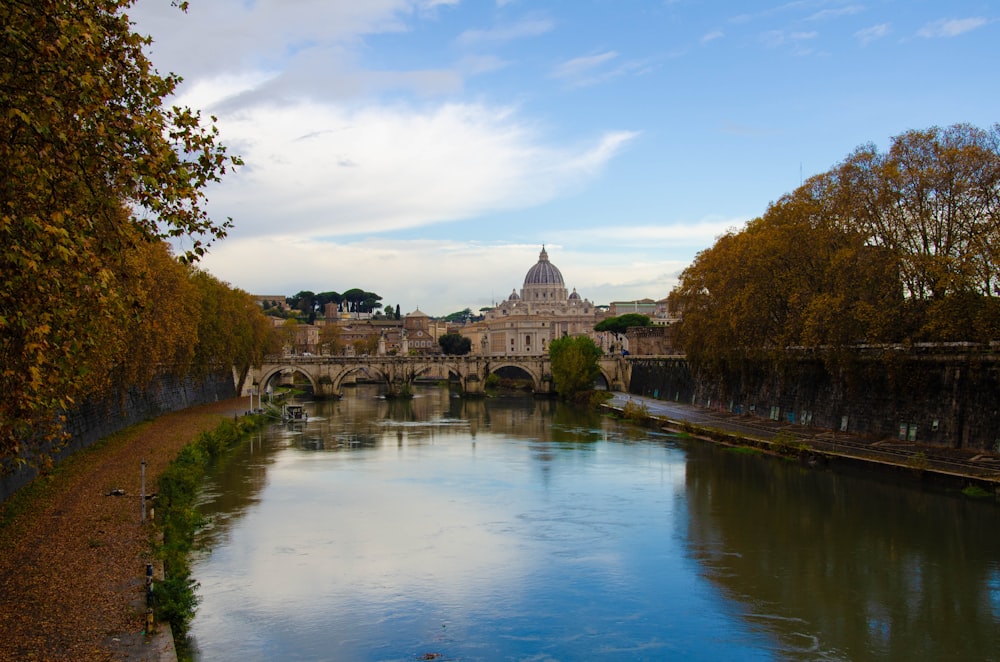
{"points": [[619, 325], [329, 337], [324, 298], [455, 343], [92, 167], [353, 298], [574, 364], [459, 316], [304, 301], [369, 302], [398, 317], [884, 247], [932, 198]]}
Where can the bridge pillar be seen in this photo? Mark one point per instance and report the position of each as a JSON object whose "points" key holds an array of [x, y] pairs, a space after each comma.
{"points": [[473, 385], [325, 389]]}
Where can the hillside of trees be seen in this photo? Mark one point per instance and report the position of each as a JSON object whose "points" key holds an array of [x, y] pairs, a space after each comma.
{"points": [[97, 171], [900, 246]]}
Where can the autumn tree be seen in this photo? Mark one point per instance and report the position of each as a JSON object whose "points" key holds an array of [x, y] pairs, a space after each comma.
{"points": [[93, 165], [882, 248], [330, 338], [574, 364]]}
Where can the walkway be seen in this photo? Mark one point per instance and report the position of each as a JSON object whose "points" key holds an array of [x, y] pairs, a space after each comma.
{"points": [[72, 555], [953, 462]]}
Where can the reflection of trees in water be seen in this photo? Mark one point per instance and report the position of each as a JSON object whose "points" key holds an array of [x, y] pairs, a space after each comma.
{"points": [[233, 484], [871, 569]]}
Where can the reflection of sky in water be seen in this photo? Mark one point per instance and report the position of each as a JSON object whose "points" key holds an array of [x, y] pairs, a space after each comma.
{"points": [[391, 539], [532, 544]]}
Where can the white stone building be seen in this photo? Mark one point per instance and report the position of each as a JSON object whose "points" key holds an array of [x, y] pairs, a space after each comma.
{"points": [[526, 323]]}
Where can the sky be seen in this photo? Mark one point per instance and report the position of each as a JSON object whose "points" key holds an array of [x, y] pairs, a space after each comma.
{"points": [[426, 150]]}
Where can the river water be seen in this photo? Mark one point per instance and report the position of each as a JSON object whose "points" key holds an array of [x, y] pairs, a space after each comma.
{"points": [[520, 529]]}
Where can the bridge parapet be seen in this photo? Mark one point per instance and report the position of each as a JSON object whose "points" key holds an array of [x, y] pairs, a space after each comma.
{"points": [[328, 374]]}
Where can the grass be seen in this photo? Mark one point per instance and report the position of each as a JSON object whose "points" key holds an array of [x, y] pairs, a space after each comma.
{"points": [[976, 492]]}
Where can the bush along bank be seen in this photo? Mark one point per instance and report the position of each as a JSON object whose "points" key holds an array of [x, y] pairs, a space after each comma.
{"points": [[175, 599]]}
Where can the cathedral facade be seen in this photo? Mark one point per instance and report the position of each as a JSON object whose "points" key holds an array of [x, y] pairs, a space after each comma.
{"points": [[543, 311]]}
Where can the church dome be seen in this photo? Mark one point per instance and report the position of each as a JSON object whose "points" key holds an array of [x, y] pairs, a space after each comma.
{"points": [[544, 272], [574, 296]]}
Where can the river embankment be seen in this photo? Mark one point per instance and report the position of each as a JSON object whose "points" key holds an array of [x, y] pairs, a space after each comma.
{"points": [[951, 468], [73, 546]]}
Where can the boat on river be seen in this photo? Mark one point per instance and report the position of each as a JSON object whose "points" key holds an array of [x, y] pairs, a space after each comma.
{"points": [[290, 413]]}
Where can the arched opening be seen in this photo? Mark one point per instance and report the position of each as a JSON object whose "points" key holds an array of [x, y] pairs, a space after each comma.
{"points": [[287, 377], [512, 379]]}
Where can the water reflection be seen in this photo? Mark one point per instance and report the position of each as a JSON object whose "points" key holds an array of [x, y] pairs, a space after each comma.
{"points": [[520, 529], [853, 568]]}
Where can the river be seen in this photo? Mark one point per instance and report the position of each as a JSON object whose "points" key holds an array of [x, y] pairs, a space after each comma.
{"points": [[439, 528]]}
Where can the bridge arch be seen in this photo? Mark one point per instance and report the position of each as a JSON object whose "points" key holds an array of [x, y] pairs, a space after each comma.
{"points": [[271, 373], [371, 371], [521, 366]]}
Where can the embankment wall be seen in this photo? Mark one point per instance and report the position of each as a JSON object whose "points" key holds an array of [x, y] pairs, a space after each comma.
{"points": [[944, 397], [96, 419]]}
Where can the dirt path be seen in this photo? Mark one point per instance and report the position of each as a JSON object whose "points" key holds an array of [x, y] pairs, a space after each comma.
{"points": [[72, 560]]}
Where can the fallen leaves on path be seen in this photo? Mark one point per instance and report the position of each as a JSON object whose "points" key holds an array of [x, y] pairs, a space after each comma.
{"points": [[73, 559]]}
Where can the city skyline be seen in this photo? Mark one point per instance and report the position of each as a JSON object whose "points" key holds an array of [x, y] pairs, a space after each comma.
{"points": [[426, 149]]}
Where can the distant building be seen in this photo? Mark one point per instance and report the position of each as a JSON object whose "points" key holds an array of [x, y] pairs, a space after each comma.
{"points": [[526, 323], [422, 333], [267, 301]]}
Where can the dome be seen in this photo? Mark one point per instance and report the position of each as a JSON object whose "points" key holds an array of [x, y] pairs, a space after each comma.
{"points": [[544, 272], [513, 296], [574, 296]]}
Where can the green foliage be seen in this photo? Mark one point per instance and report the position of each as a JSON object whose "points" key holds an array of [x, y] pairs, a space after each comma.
{"points": [[784, 443], [622, 323], [635, 411], [175, 599], [975, 492], [459, 316], [455, 343], [597, 398], [574, 364]]}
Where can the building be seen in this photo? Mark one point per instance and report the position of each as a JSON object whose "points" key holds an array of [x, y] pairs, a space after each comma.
{"points": [[421, 333], [543, 311]]}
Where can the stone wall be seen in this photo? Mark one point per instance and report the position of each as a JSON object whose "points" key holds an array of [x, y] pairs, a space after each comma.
{"points": [[652, 340], [94, 420], [947, 397]]}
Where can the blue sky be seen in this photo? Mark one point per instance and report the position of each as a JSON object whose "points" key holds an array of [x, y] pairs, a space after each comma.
{"points": [[426, 149]]}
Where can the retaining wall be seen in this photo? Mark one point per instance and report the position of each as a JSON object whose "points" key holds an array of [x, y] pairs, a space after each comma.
{"points": [[945, 398], [94, 420]]}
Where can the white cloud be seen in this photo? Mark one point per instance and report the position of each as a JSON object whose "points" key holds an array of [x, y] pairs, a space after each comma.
{"points": [[778, 38], [227, 35], [712, 36], [827, 14], [325, 170], [951, 27], [531, 27], [870, 34], [440, 277], [582, 65]]}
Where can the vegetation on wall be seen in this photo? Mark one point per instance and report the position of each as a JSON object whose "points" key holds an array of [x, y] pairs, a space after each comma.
{"points": [[893, 247]]}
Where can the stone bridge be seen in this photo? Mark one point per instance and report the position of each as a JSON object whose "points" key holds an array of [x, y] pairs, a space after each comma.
{"points": [[328, 374]]}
